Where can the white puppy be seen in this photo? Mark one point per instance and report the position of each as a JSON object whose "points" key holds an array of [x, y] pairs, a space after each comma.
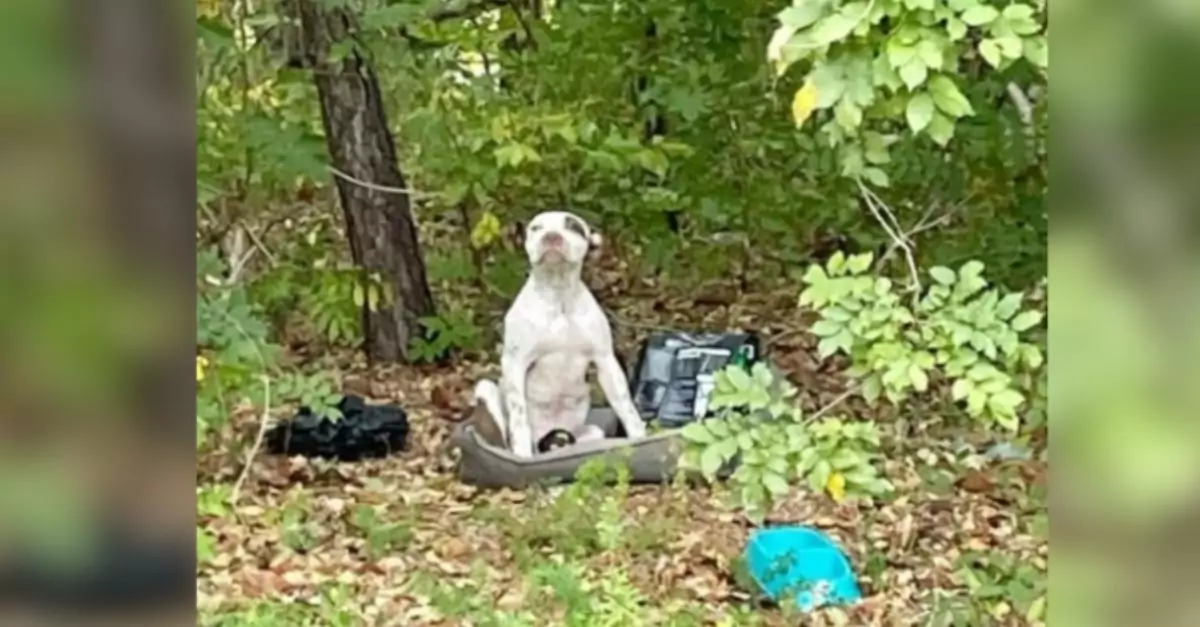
{"points": [[553, 331]]}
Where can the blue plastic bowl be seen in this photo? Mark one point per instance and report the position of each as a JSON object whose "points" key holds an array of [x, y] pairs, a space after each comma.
{"points": [[803, 563]]}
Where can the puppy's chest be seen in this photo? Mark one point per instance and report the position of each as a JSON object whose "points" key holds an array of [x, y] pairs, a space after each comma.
{"points": [[562, 333]]}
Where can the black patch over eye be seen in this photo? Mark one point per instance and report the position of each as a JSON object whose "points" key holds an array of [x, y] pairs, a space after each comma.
{"points": [[575, 226]]}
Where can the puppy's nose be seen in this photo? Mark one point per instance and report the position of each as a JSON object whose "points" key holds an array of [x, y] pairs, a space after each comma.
{"points": [[553, 239]]}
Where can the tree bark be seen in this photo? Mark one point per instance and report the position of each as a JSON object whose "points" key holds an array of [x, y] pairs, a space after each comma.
{"points": [[379, 224]]}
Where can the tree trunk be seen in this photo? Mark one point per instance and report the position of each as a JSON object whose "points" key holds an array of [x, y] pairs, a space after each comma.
{"points": [[379, 224]]}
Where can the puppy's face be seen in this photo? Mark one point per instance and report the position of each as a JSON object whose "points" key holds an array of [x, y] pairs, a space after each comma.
{"points": [[558, 238]]}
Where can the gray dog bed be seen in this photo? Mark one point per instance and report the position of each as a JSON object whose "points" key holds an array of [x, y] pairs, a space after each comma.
{"points": [[651, 459]]}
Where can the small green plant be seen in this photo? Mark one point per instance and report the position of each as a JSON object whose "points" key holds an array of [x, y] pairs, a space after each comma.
{"points": [[382, 537], [759, 425], [237, 363], [998, 586], [570, 591], [336, 300], [299, 532], [334, 607], [444, 333], [959, 330], [585, 519], [318, 393]]}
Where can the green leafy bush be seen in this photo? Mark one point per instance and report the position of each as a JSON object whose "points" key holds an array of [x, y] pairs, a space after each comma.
{"points": [[443, 333], [958, 330], [759, 426], [237, 364], [871, 63]]}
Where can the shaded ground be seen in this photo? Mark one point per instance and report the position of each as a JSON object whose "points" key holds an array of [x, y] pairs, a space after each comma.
{"points": [[400, 542]]}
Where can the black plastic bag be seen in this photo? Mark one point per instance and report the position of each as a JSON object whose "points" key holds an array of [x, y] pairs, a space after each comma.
{"points": [[363, 432]]}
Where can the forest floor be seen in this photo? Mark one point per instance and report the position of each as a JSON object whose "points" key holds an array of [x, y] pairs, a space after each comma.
{"points": [[401, 542]]}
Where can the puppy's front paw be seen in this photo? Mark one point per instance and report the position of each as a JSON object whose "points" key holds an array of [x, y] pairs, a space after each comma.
{"points": [[558, 438]]}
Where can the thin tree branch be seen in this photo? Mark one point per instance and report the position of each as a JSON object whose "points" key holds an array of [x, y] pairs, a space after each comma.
{"points": [[878, 208], [841, 398], [1024, 106], [924, 224], [263, 426]]}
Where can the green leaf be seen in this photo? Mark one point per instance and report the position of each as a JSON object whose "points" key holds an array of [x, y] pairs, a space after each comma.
{"points": [[961, 389], [919, 112], [775, 47], [860, 263], [1011, 46], [990, 51], [980, 15], [877, 177], [931, 54], [819, 476], [941, 129], [738, 378], [1015, 12], [829, 80], [827, 347], [718, 428], [972, 268], [918, 378], [205, 546], [875, 148], [711, 461], [948, 98], [833, 28], [899, 53], [872, 387], [1037, 52], [976, 401], [984, 344], [1009, 305], [942, 275], [775, 483], [802, 15], [727, 448], [956, 30], [844, 340], [826, 328], [914, 72], [815, 274], [1026, 320], [848, 115], [836, 263], [1006, 401], [1033, 357]]}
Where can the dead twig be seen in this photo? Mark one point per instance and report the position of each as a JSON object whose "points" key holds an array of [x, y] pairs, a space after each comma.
{"points": [[264, 425], [841, 398]]}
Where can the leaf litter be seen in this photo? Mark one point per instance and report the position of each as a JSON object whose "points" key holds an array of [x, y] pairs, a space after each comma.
{"points": [[301, 534]]}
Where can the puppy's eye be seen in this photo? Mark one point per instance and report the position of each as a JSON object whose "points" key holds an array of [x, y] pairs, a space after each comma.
{"points": [[535, 228], [575, 226]]}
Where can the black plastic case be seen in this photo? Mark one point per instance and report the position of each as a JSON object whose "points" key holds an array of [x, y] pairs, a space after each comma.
{"points": [[673, 377]]}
